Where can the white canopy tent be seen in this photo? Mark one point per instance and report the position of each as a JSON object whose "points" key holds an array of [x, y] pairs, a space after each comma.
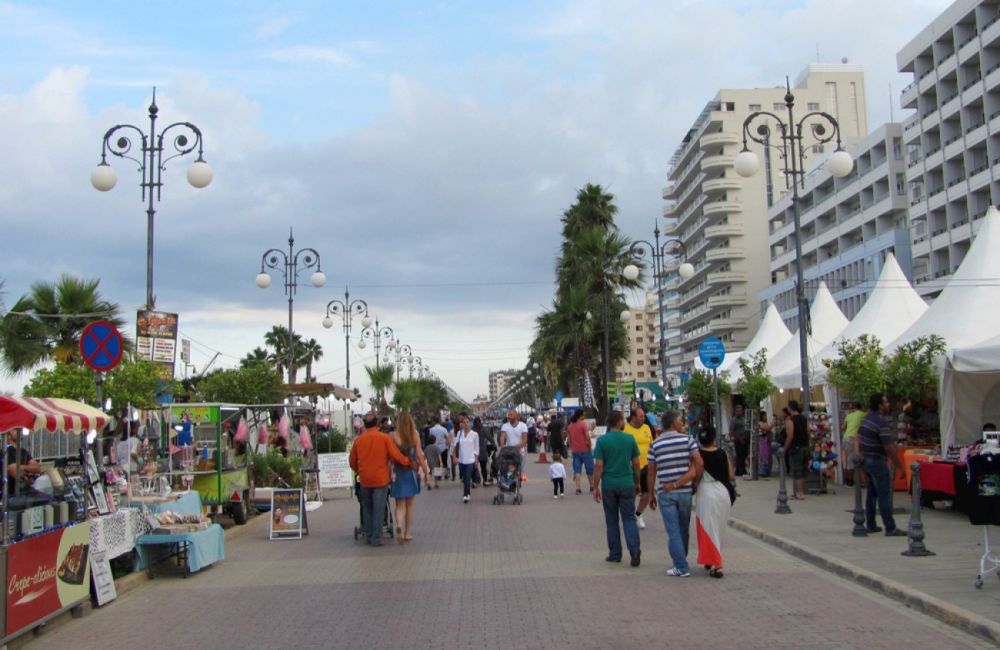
{"points": [[771, 335], [827, 323], [970, 392]]}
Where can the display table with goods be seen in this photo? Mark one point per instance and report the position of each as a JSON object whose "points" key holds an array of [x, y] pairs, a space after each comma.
{"points": [[907, 455], [46, 536], [824, 459], [183, 540]]}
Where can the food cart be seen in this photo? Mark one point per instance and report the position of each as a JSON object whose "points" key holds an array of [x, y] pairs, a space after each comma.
{"points": [[44, 557]]}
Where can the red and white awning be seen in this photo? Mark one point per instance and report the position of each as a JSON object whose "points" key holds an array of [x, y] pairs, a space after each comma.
{"points": [[49, 413]]}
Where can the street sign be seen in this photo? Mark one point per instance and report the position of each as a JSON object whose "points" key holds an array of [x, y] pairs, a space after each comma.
{"points": [[712, 352], [559, 395], [101, 346]]}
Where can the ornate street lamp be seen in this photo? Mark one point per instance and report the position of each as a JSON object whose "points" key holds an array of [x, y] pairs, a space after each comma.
{"points": [[347, 309], [151, 165], [377, 335], [288, 265], [404, 354]]}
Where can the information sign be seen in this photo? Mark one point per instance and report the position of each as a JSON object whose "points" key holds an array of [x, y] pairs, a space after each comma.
{"points": [[712, 352], [334, 471]]}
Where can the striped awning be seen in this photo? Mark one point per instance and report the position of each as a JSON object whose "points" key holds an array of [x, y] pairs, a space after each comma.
{"points": [[50, 414]]}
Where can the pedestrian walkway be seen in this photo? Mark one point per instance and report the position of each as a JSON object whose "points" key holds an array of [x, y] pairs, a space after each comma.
{"points": [[820, 528], [484, 576]]}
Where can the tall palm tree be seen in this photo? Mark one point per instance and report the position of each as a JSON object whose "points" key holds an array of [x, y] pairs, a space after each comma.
{"points": [[277, 340], [309, 352], [46, 323], [255, 356], [593, 208], [381, 379]]}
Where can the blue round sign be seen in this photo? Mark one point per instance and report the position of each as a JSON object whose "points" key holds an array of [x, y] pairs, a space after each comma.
{"points": [[101, 346], [712, 352], [559, 395]]}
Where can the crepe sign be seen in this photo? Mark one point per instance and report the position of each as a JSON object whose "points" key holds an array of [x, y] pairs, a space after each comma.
{"points": [[46, 574], [287, 514], [334, 470]]}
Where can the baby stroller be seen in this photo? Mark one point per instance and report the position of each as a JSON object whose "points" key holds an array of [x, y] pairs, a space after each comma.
{"points": [[508, 473], [388, 525]]}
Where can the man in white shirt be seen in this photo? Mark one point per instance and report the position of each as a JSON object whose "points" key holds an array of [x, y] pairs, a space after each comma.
{"points": [[442, 439], [514, 433]]}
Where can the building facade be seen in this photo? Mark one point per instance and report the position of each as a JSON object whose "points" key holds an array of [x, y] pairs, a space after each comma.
{"points": [[848, 225], [500, 380], [722, 218], [644, 342], [953, 136]]}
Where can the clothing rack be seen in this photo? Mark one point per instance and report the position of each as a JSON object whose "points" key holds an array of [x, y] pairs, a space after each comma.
{"points": [[989, 564]]}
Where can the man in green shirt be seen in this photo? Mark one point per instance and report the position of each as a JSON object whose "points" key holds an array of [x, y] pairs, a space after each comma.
{"points": [[849, 447], [616, 473]]}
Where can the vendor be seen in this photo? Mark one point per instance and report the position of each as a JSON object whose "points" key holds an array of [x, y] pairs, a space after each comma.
{"points": [[21, 467]]}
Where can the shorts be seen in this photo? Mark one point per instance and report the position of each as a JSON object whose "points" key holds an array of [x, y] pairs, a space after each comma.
{"points": [[643, 486], [583, 459], [798, 462]]}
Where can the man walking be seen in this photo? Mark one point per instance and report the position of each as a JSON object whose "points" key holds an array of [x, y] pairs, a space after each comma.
{"points": [[442, 440], [616, 463], [875, 440], [740, 437], [370, 456], [514, 433], [674, 464], [639, 429], [797, 448], [579, 443]]}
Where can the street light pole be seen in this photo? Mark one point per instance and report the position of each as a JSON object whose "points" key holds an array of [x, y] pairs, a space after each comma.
{"points": [[151, 165], [403, 352], [347, 309], [792, 151], [377, 334], [288, 265]]}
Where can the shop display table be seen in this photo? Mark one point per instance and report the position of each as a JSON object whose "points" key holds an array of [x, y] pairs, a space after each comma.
{"points": [[909, 455], [944, 481], [190, 552], [183, 503], [115, 534]]}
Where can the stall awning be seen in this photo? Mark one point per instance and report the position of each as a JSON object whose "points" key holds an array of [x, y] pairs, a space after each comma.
{"points": [[318, 390], [49, 413]]}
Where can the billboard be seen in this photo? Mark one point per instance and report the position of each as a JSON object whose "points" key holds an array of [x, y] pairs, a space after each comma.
{"points": [[156, 339]]}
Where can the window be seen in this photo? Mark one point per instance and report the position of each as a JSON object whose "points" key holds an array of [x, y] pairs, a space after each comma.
{"points": [[754, 107], [778, 106], [639, 362], [638, 328], [641, 375], [730, 106], [638, 315], [817, 148], [813, 106]]}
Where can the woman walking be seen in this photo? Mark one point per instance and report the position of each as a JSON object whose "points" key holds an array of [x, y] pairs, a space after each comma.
{"points": [[487, 445], [466, 455], [764, 446], [405, 482], [715, 501]]}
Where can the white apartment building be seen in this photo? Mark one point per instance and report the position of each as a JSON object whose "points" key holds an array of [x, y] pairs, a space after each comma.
{"points": [[953, 137], [500, 380], [848, 225], [722, 218], [644, 343]]}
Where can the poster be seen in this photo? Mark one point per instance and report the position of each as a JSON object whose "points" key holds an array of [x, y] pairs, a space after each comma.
{"points": [[46, 574], [104, 582], [334, 471], [287, 514], [156, 339]]}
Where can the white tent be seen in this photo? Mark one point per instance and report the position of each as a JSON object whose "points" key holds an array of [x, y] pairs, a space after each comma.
{"points": [[892, 307], [970, 392], [965, 311], [771, 335], [827, 323]]}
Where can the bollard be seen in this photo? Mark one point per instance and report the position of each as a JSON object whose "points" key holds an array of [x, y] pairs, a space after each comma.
{"points": [[859, 512], [782, 506], [915, 534]]}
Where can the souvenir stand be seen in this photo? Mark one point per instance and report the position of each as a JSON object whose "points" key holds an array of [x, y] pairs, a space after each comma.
{"points": [[46, 535], [984, 477], [823, 458]]}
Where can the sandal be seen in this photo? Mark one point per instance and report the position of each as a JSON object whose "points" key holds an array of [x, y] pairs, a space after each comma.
{"points": [[408, 538], [716, 572], [399, 535]]}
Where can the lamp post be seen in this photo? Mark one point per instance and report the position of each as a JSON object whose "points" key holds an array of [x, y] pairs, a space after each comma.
{"points": [[658, 254], [347, 309], [404, 354], [151, 165], [288, 265], [792, 151], [377, 334]]}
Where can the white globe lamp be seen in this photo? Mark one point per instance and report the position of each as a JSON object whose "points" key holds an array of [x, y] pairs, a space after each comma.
{"points": [[263, 280], [103, 177], [746, 163], [840, 163], [199, 174]]}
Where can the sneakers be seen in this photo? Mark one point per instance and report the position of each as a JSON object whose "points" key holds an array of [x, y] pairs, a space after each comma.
{"points": [[895, 532], [875, 529], [639, 520], [465, 499], [561, 495], [635, 559], [579, 491], [674, 572], [555, 496], [612, 559]]}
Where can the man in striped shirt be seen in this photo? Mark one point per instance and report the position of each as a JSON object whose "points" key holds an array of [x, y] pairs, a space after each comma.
{"points": [[674, 465]]}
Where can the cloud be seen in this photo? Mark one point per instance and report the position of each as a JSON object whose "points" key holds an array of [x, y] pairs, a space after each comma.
{"points": [[310, 54], [274, 27]]}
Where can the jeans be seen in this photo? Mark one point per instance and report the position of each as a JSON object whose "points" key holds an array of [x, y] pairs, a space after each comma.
{"points": [[620, 502], [879, 484], [466, 471], [675, 508], [583, 460], [373, 511]]}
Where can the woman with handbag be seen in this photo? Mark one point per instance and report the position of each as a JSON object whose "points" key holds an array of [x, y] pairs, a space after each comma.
{"points": [[715, 498]]}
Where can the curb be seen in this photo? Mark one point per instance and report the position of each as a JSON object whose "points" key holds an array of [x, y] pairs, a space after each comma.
{"points": [[943, 611]]}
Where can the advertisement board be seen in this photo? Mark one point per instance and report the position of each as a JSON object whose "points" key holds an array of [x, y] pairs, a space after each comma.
{"points": [[156, 339], [46, 574], [287, 514]]}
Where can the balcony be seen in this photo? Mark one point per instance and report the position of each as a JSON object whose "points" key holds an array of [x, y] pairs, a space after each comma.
{"points": [[724, 230], [725, 253], [673, 303], [908, 98], [726, 277], [669, 210], [669, 191], [670, 228], [721, 208], [718, 139], [735, 299], [716, 162], [721, 185], [726, 324]]}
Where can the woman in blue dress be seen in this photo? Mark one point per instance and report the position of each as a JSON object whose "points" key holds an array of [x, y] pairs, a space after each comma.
{"points": [[405, 482]]}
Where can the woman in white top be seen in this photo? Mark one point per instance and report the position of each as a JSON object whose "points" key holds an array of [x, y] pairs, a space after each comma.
{"points": [[466, 455]]}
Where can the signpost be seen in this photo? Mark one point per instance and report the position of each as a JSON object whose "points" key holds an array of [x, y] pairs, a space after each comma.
{"points": [[712, 352], [101, 348]]}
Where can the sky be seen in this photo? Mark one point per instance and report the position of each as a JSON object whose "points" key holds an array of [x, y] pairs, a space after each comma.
{"points": [[426, 150]]}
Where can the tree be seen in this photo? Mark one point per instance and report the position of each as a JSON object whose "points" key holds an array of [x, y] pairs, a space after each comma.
{"points": [[64, 380], [311, 352], [909, 371], [700, 388], [133, 382], [254, 384], [277, 340], [859, 372], [257, 355], [421, 397], [46, 324], [381, 379], [755, 386]]}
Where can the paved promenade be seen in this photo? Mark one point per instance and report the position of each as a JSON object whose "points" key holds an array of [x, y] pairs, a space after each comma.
{"points": [[482, 576]]}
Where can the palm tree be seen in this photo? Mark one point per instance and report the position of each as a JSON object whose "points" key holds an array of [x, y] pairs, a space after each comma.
{"points": [[421, 397], [593, 208], [255, 356], [277, 340], [380, 378], [309, 352], [46, 324]]}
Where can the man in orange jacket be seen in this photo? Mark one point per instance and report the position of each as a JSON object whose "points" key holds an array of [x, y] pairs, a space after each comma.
{"points": [[370, 456]]}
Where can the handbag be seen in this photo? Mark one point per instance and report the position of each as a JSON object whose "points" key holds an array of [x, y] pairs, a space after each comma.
{"points": [[732, 492]]}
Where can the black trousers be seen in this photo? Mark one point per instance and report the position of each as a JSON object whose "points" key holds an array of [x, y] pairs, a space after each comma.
{"points": [[742, 451], [557, 486]]}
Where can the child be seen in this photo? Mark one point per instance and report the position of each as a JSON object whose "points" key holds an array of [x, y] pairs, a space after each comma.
{"points": [[433, 456], [558, 475]]}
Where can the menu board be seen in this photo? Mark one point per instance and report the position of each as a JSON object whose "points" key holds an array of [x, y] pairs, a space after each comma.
{"points": [[287, 514], [156, 339], [334, 470]]}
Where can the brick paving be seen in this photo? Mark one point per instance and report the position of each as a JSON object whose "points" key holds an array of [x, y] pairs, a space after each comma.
{"points": [[484, 576]]}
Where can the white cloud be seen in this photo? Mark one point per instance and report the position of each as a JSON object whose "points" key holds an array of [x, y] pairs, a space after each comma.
{"points": [[274, 27], [310, 54]]}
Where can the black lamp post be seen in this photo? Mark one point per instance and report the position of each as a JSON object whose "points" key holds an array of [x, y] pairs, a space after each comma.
{"points": [[288, 265], [404, 354], [377, 334], [151, 165], [791, 133], [347, 309]]}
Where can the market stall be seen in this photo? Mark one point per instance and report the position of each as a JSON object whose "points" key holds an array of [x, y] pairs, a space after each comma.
{"points": [[46, 536]]}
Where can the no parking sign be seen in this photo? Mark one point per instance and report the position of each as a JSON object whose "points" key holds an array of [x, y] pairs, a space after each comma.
{"points": [[101, 346]]}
